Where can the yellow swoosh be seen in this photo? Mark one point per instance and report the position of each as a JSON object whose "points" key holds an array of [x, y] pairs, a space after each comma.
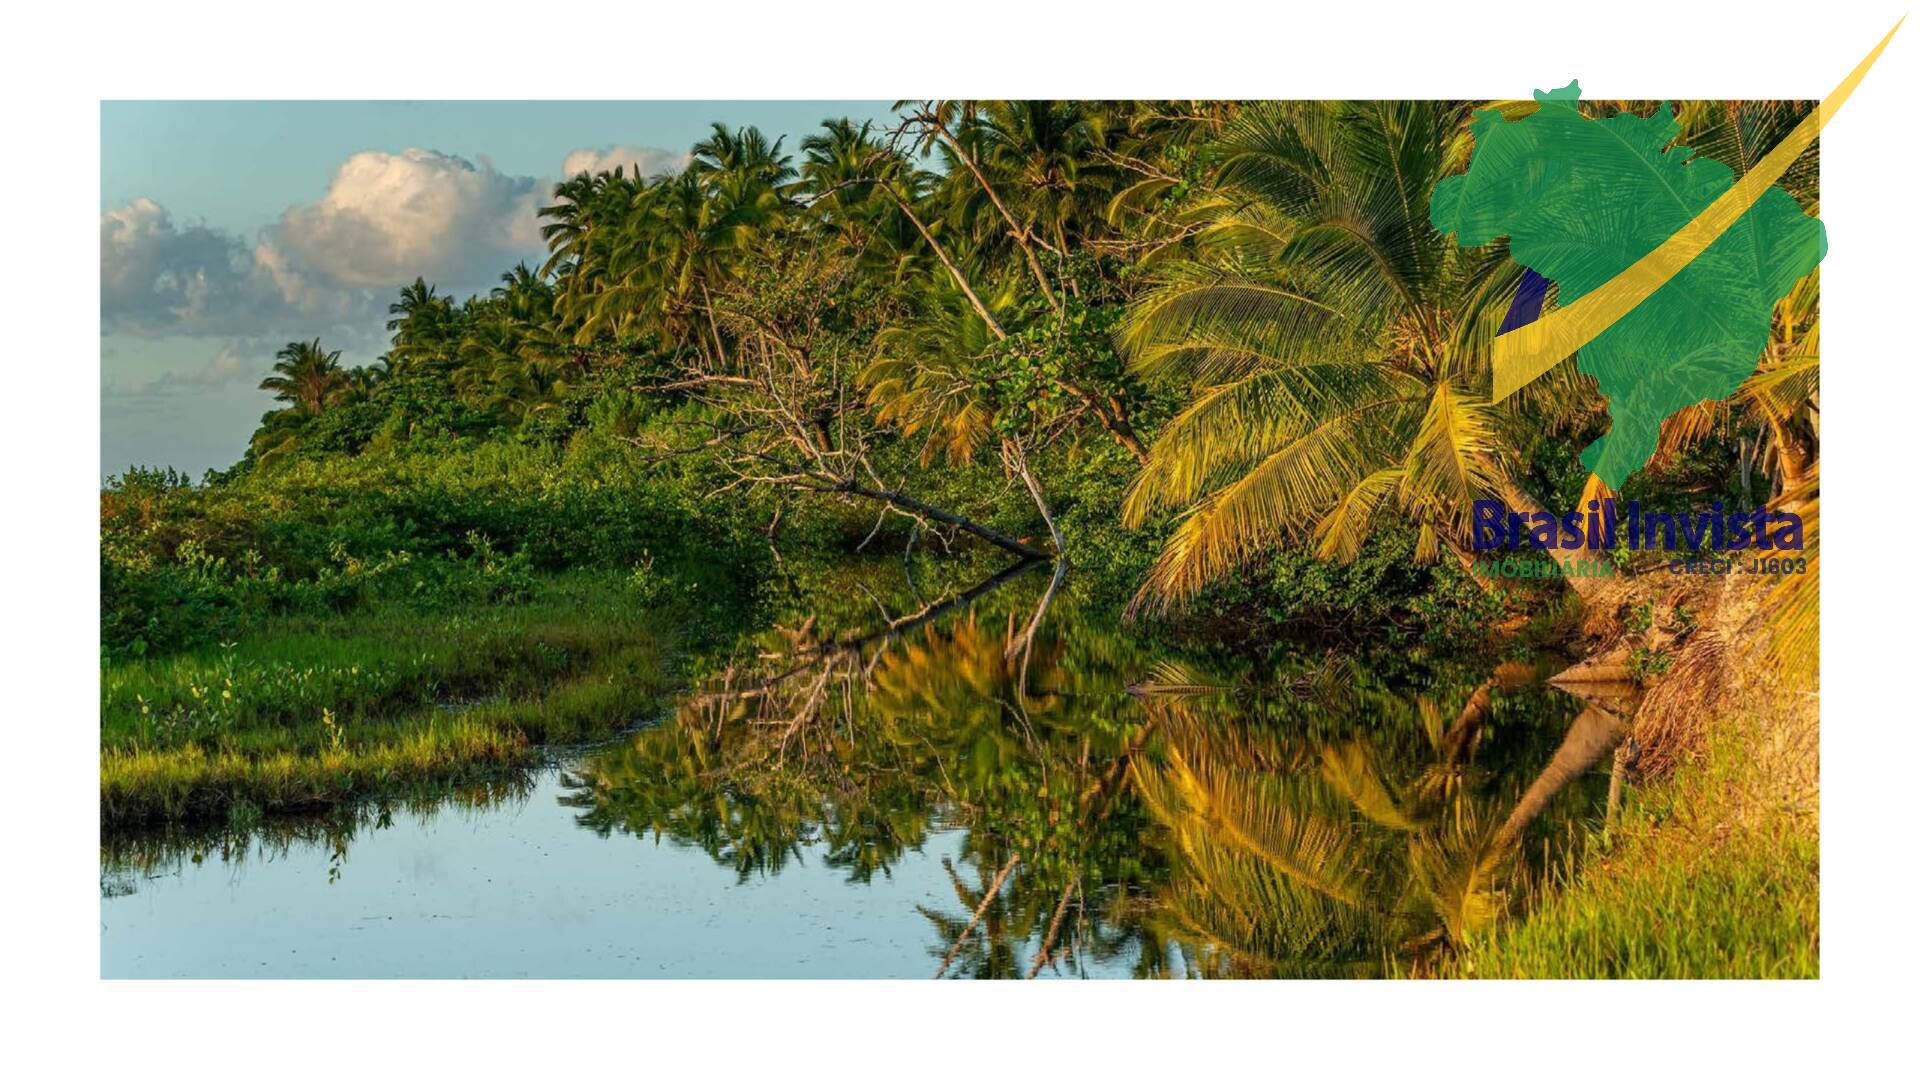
{"points": [[1523, 355]]}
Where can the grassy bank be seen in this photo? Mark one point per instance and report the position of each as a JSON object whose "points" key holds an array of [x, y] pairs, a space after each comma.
{"points": [[305, 710], [1711, 872]]}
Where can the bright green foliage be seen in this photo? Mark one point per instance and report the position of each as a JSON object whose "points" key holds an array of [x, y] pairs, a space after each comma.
{"points": [[1581, 200], [445, 524], [307, 710]]}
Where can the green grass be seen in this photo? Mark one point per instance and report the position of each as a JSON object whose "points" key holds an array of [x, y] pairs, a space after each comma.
{"points": [[312, 710], [1712, 873]]}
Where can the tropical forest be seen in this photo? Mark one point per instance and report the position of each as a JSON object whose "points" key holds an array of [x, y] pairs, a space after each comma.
{"points": [[1010, 539]]}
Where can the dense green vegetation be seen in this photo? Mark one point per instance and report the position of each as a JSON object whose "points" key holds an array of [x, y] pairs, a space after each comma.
{"points": [[1211, 357]]}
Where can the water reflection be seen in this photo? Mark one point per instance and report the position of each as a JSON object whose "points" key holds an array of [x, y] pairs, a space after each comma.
{"points": [[1307, 817], [1096, 804], [129, 856]]}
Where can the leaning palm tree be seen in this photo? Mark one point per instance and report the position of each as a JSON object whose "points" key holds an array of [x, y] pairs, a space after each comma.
{"points": [[1334, 344], [306, 376]]}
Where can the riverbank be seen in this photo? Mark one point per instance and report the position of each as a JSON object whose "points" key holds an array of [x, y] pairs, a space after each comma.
{"points": [[310, 710], [1712, 868]]}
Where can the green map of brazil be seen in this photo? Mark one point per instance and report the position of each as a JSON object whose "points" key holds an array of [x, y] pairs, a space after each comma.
{"points": [[1581, 200]]}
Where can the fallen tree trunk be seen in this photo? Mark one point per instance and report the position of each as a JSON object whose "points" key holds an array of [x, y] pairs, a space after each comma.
{"points": [[915, 506]]}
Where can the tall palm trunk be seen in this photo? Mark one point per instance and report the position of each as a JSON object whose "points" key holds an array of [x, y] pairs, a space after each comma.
{"points": [[940, 253], [1790, 452], [1592, 590], [719, 346], [1594, 733]]}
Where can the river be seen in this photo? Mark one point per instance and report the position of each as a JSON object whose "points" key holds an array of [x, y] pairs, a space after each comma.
{"points": [[937, 792]]}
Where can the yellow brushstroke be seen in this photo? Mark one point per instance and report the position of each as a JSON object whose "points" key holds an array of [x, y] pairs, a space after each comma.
{"points": [[1523, 355]]}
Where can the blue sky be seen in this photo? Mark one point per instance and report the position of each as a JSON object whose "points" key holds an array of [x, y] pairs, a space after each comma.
{"points": [[230, 228]]}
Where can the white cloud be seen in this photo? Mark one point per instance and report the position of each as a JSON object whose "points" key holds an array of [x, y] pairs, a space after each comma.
{"points": [[329, 267], [646, 161], [388, 218]]}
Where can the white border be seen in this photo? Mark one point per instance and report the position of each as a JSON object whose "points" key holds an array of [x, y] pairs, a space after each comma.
{"points": [[66, 57]]}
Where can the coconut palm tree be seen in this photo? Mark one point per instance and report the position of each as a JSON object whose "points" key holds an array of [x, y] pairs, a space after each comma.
{"points": [[1779, 403], [1046, 153], [743, 154], [1334, 345], [925, 379], [841, 169], [649, 258], [305, 376], [423, 324], [589, 216], [357, 385], [1014, 173]]}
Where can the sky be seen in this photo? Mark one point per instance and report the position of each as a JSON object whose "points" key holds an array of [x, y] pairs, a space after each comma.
{"points": [[228, 229]]}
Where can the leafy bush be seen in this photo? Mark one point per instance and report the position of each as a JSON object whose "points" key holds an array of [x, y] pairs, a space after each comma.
{"points": [[440, 521]]}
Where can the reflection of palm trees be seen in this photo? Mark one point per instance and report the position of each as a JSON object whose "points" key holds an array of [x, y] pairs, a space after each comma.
{"points": [[989, 953], [1267, 865], [1292, 860], [865, 743], [1320, 822]]}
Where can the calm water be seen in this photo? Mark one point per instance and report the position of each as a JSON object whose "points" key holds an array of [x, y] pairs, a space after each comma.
{"points": [[519, 889], [926, 800]]}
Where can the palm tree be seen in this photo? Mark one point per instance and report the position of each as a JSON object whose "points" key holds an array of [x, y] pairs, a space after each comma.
{"points": [[511, 357], [1780, 401], [423, 323], [307, 376], [1012, 174], [841, 169], [585, 207], [1334, 345], [637, 258], [743, 154], [1047, 153], [664, 265], [359, 383], [924, 378]]}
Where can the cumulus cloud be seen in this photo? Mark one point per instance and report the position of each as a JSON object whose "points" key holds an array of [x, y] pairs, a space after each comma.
{"points": [[387, 218], [156, 276], [329, 266], [641, 160], [384, 220]]}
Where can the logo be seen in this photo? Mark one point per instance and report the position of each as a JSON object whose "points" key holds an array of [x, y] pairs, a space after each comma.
{"points": [[1668, 266], [1606, 525]]}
